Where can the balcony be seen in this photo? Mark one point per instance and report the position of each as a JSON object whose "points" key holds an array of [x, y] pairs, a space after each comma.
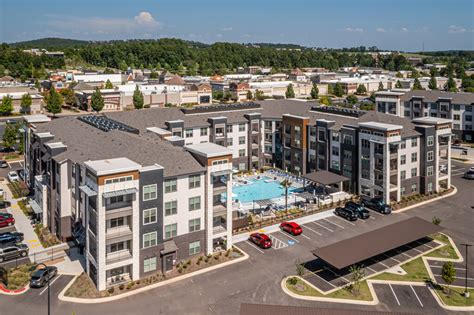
{"points": [[123, 232], [120, 209], [254, 158], [254, 145], [118, 256], [379, 182], [219, 185]]}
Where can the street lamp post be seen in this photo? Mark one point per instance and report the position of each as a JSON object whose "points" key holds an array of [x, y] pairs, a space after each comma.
{"points": [[466, 292], [49, 296]]}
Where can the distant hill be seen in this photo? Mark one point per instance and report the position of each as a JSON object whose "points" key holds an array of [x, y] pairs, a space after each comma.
{"points": [[50, 43]]}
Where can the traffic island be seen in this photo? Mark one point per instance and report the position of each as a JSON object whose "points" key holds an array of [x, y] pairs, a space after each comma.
{"points": [[17, 279]]}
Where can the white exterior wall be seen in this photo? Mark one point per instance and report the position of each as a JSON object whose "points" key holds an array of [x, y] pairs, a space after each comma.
{"points": [[235, 140], [196, 138]]}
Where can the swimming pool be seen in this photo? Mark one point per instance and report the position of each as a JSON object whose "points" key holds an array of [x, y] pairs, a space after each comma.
{"points": [[258, 189]]}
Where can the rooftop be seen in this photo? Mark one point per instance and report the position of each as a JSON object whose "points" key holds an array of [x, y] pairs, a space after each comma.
{"points": [[112, 166], [36, 118], [379, 125], [208, 149], [434, 96], [432, 120]]}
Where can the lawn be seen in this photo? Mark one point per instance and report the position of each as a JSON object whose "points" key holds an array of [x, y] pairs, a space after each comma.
{"points": [[456, 297], [416, 271], [343, 293], [19, 277], [446, 251]]}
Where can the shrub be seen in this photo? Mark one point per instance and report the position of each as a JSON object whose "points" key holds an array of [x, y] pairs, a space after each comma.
{"points": [[188, 262], [111, 290], [122, 286], [180, 270], [216, 257], [292, 281], [201, 258], [206, 260]]}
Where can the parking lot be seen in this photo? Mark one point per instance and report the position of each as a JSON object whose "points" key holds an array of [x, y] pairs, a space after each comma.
{"points": [[436, 267], [298, 249]]}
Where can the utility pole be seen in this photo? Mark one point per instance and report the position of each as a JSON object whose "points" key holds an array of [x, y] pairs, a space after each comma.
{"points": [[466, 292]]}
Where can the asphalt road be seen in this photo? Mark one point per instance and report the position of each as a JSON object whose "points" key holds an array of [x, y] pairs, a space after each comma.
{"points": [[257, 280]]}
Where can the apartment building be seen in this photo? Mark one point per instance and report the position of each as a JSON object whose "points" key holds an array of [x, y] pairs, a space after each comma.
{"points": [[414, 104], [143, 190]]}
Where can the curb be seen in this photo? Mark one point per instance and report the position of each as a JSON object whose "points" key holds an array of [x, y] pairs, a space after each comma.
{"points": [[5, 291], [64, 298], [455, 190]]}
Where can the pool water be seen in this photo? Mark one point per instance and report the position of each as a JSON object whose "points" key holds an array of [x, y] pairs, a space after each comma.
{"points": [[258, 189]]}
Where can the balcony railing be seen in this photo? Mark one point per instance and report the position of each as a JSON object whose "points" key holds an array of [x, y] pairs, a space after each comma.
{"points": [[118, 256], [119, 231]]}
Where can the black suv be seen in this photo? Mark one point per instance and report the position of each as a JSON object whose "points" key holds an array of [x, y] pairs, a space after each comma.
{"points": [[12, 252], [360, 210], [10, 238], [376, 204], [346, 213]]}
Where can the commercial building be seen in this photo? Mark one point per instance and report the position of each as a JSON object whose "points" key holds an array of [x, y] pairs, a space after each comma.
{"points": [[17, 92], [143, 190]]}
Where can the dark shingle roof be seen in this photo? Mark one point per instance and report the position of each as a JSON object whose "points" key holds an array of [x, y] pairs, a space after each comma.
{"points": [[433, 96]]}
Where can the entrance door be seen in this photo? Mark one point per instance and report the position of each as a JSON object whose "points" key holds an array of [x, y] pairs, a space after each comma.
{"points": [[168, 263]]}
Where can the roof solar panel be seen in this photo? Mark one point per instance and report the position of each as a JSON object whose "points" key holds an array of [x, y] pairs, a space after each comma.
{"points": [[106, 124]]}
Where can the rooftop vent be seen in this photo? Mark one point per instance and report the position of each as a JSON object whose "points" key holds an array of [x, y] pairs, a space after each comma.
{"points": [[106, 124], [220, 108], [338, 111]]}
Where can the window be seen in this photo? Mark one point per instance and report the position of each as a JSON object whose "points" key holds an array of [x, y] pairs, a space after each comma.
{"points": [[403, 175], [116, 222], [414, 172], [203, 131], [117, 247], [403, 145], [335, 165], [468, 118], [402, 190], [189, 133], [347, 139], [456, 117], [414, 157], [171, 207], [430, 156], [194, 225], [414, 142], [194, 247], [149, 216], [429, 171], [149, 239], [219, 162], [241, 152], [118, 180], [194, 181], [171, 230], [456, 107], [230, 142], [430, 187], [335, 136], [430, 140], [149, 264], [171, 185], [241, 127], [413, 188], [468, 108], [241, 140], [403, 159], [194, 203], [149, 192], [242, 166], [456, 126], [335, 151], [229, 128]]}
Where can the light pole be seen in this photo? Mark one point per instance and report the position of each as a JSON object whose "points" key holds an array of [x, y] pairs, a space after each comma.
{"points": [[466, 292], [49, 296]]}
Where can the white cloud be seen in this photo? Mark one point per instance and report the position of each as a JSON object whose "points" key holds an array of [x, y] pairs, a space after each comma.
{"points": [[380, 30], [354, 29], [404, 29], [219, 35], [227, 29], [456, 29], [146, 19]]}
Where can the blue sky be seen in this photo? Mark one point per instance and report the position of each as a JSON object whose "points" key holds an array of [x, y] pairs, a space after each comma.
{"points": [[398, 25]]}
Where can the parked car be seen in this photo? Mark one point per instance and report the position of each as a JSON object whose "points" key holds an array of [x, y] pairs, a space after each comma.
{"points": [[260, 239], [360, 210], [291, 227], [6, 219], [376, 204], [3, 164], [41, 276], [346, 213], [13, 176], [12, 252], [469, 174], [18, 236], [21, 174]]}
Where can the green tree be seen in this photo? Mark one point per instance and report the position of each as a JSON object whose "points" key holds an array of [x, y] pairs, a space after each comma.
{"points": [[448, 273], [436, 220], [330, 89], [69, 96], [97, 101], [417, 85], [259, 95], [290, 93], [10, 135], [361, 89], [399, 74], [25, 103], [108, 84], [217, 95], [325, 100], [357, 274], [138, 98], [398, 85], [37, 85], [432, 85], [54, 102], [414, 74], [338, 90], [314, 92], [381, 87], [450, 86], [351, 99], [286, 184], [249, 95], [6, 108]]}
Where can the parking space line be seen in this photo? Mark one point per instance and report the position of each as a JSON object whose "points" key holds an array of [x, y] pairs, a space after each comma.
{"points": [[307, 227], [337, 275], [371, 269], [419, 251], [378, 213], [398, 261], [396, 298], [344, 220], [372, 217], [461, 278], [294, 239], [416, 296], [324, 280], [441, 267], [50, 284], [254, 246], [323, 226], [381, 263], [403, 253], [425, 244], [340, 226], [305, 236]]}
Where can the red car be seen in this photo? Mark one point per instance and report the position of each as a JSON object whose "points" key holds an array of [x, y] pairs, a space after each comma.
{"points": [[261, 240], [6, 219], [291, 227]]}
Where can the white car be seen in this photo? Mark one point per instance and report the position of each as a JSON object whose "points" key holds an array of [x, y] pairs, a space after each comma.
{"points": [[13, 176]]}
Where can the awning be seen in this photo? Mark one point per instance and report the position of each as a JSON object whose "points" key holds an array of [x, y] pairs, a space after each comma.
{"points": [[361, 247], [35, 206], [264, 202], [325, 177], [121, 192], [169, 247], [88, 191], [220, 173]]}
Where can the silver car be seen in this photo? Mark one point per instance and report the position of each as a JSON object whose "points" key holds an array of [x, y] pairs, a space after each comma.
{"points": [[469, 174]]}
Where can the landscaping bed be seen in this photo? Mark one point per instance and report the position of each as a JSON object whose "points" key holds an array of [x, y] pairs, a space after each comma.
{"points": [[83, 287], [46, 238], [414, 199], [19, 277], [18, 189], [455, 297]]}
